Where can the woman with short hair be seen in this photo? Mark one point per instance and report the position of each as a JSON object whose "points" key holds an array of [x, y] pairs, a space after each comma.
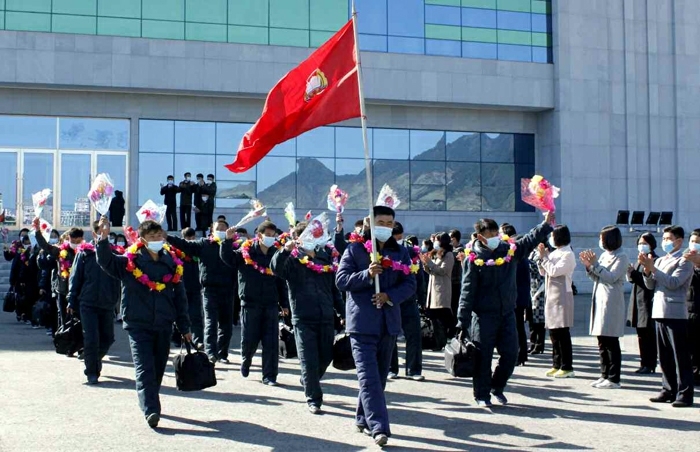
{"points": [[438, 265]]}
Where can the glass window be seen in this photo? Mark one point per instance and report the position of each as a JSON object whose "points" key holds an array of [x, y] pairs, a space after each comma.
{"points": [[371, 16], [314, 179], [514, 5], [156, 136], [479, 34], [479, 50], [522, 171], [27, 21], [427, 145], [508, 20], [497, 188], [115, 166], [163, 9], [229, 136], [427, 173], [286, 149], [350, 176], [38, 175], [159, 168], [524, 145], [248, 35], [86, 133], [119, 8], [161, 29], [443, 15], [248, 12], [194, 163], [395, 173], [328, 15], [289, 14], [497, 147], [82, 7], [514, 37], [223, 173], [318, 142], [390, 143], [118, 27], [480, 18], [8, 187], [541, 55], [28, 132], [406, 18], [463, 147], [406, 45], [463, 188], [443, 47], [233, 194], [348, 142], [195, 137], [277, 181], [442, 32], [206, 11], [373, 43], [540, 23], [76, 172], [427, 197], [514, 52]]}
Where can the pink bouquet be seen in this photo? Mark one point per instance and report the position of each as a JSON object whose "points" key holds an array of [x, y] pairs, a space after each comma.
{"points": [[337, 199], [131, 235], [101, 193], [151, 211], [39, 200], [257, 211], [539, 193], [316, 233]]}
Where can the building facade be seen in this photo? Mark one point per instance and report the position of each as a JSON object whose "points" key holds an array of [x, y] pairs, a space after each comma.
{"points": [[464, 98]]}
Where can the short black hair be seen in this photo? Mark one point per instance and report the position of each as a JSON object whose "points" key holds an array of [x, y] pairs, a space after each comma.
{"points": [[650, 239], [412, 239], [121, 236], [561, 235], [508, 229], [210, 175], [188, 174], [383, 210], [149, 227], [445, 241], [299, 228], [214, 224], [76, 233], [676, 230], [171, 177], [428, 244], [485, 224], [111, 234], [221, 217], [55, 231], [611, 237], [359, 223], [189, 232], [23, 230], [200, 175], [398, 228], [241, 231], [455, 234], [696, 233], [264, 226]]}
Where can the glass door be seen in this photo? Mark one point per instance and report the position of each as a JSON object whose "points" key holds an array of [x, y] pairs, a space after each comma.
{"points": [[8, 188], [116, 166], [76, 176], [37, 170]]}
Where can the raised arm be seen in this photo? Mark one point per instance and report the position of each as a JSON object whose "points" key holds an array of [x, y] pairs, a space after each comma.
{"points": [[615, 273], [339, 242], [530, 241], [444, 268], [228, 255], [680, 276], [281, 265], [113, 265], [44, 245], [190, 247]]}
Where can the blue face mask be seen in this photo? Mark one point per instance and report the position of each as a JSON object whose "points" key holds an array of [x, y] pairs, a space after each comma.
{"points": [[155, 246], [424, 249], [644, 248], [436, 246], [694, 247], [667, 246], [268, 241], [382, 233], [493, 242]]}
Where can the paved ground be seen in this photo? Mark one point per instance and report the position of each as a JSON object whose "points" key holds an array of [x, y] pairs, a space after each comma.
{"points": [[47, 408]]}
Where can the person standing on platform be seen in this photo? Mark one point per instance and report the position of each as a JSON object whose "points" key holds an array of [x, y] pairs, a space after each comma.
{"points": [[169, 192], [186, 189], [198, 203]]}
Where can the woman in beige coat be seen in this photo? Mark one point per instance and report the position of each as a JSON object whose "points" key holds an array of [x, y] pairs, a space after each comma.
{"points": [[608, 309], [438, 264], [557, 268]]}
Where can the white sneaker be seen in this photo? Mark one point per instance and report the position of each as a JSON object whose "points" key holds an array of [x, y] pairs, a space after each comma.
{"points": [[597, 382], [607, 384], [393, 376]]}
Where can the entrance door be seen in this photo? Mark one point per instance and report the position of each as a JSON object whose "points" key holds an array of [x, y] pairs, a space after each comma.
{"points": [[37, 173], [8, 188]]}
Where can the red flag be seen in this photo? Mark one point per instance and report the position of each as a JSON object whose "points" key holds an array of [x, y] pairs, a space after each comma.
{"points": [[321, 90]]}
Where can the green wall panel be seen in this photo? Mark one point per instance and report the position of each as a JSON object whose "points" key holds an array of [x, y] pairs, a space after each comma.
{"points": [[163, 29], [206, 11], [119, 8], [479, 34], [443, 2], [39, 6], [541, 7], [286, 37], [319, 37], [541, 39], [2, 20], [248, 35], [248, 12], [164, 9], [514, 5], [289, 14], [205, 32], [27, 21], [442, 32], [514, 37], [490, 4], [81, 7], [118, 26], [328, 15], [64, 23]]}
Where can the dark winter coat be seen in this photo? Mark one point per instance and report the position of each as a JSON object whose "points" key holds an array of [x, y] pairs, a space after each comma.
{"points": [[693, 300], [117, 209], [91, 286], [212, 272], [170, 194], [641, 300], [59, 284]]}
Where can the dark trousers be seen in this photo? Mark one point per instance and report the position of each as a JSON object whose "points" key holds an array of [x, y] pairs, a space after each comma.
{"points": [[562, 351], [445, 317], [456, 293], [260, 325], [149, 350], [315, 350], [171, 216], [537, 333], [647, 345], [236, 308], [610, 358], [694, 340], [61, 305], [185, 216], [98, 336], [489, 332], [522, 334], [198, 221], [410, 323], [218, 321], [372, 356], [194, 308], [674, 358]]}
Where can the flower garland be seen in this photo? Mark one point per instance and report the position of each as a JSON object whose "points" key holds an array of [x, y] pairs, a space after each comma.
{"points": [[184, 257], [64, 264], [245, 252], [16, 248], [143, 278], [86, 246], [493, 262], [390, 264], [320, 269], [236, 241], [118, 249]]}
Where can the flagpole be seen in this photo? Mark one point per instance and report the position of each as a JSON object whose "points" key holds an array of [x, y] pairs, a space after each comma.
{"points": [[365, 142]]}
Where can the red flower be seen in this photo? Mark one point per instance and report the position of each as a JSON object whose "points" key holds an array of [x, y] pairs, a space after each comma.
{"points": [[386, 263], [176, 279], [167, 278]]}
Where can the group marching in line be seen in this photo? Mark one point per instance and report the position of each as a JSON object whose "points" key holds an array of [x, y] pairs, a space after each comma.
{"points": [[482, 292]]}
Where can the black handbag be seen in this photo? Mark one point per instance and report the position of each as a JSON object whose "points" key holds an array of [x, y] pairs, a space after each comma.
{"points": [[459, 358], [342, 352], [69, 337], [41, 313], [10, 302], [193, 371], [288, 345], [433, 335]]}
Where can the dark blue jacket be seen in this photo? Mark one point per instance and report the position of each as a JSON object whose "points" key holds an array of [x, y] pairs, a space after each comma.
{"points": [[362, 317], [89, 285], [191, 278], [522, 281], [212, 272], [47, 265], [60, 284], [143, 308]]}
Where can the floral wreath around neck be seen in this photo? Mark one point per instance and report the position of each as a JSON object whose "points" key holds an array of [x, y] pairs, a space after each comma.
{"points": [[320, 269], [471, 255], [143, 278], [17, 248], [64, 264], [386, 261], [236, 241], [245, 252]]}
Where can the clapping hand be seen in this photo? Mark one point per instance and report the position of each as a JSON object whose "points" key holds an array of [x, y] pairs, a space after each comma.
{"points": [[543, 251], [647, 261], [692, 256], [588, 258], [290, 245], [424, 257]]}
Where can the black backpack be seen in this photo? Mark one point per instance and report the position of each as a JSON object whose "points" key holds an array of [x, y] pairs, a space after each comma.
{"points": [[193, 371], [288, 346]]}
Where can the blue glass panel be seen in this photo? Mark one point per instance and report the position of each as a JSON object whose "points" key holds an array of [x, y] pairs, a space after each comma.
{"points": [[277, 179], [482, 18], [286, 149], [479, 50], [406, 45], [406, 18], [541, 55], [85, 133], [156, 136], [195, 137], [371, 16], [540, 23], [442, 15], [28, 132], [524, 148], [372, 43], [229, 136], [514, 52], [442, 47], [348, 142], [509, 20], [522, 171], [317, 143], [159, 167], [391, 143]]}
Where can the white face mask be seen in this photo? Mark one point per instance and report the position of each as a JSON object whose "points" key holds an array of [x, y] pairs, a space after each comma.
{"points": [[436, 246], [268, 241], [74, 246], [111, 241], [53, 241], [155, 246], [400, 242], [644, 248], [551, 242], [171, 182], [120, 243], [209, 182], [221, 235], [694, 247], [205, 198], [187, 178], [382, 233]]}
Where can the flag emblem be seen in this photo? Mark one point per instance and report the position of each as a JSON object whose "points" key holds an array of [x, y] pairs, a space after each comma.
{"points": [[315, 84]]}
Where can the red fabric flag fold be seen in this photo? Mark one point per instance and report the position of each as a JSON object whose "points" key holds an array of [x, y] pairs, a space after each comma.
{"points": [[322, 90]]}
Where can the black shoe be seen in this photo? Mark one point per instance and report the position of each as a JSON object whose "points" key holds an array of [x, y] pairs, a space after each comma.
{"points": [[645, 371], [500, 398], [681, 404], [381, 439], [537, 351], [662, 398], [153, 420], [224, 361], [313, 409], [245, 371], [92, 380]]}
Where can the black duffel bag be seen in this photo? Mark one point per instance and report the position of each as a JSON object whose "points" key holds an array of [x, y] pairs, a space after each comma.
{"points": [[69, 337], [10, 302], [459, 358], [41, 313], [433, 334], [193, 371], [288, 346], [342, 352]]}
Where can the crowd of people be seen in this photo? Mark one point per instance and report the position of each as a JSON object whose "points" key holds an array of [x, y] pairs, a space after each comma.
{"points": [[195, 197], [484, 292]]}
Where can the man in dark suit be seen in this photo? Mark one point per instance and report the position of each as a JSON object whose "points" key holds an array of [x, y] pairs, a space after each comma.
{"points": [[187, 188], [169, 192]]}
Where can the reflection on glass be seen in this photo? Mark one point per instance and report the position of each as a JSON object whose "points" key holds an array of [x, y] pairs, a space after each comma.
{"points": [[348, 142], [442, 15], [522, 171], [497, 147], [463, 147], [229, 136], [390, 143], [195, 137], [75, 183], [277, 181], [464, 187], [223, 173], [373, 18], [156, 136], [511, 20], [427, 185], [38, 175], [395, 173], [482, 18], [230, 194], [194, 164], [88, 133], [286, 149], [115, 166], [153, 170], [351, 177], [28, 132], [314, 179], [498, 189], [428, 173], [316, 143], [427, 145], [8, 187]]}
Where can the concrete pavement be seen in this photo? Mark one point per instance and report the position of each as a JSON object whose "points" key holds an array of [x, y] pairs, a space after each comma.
{"points": [[46, 407]]}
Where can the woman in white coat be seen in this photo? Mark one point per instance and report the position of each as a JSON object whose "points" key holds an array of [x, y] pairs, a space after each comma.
{"points": [[608, 309], [557, 268]]}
